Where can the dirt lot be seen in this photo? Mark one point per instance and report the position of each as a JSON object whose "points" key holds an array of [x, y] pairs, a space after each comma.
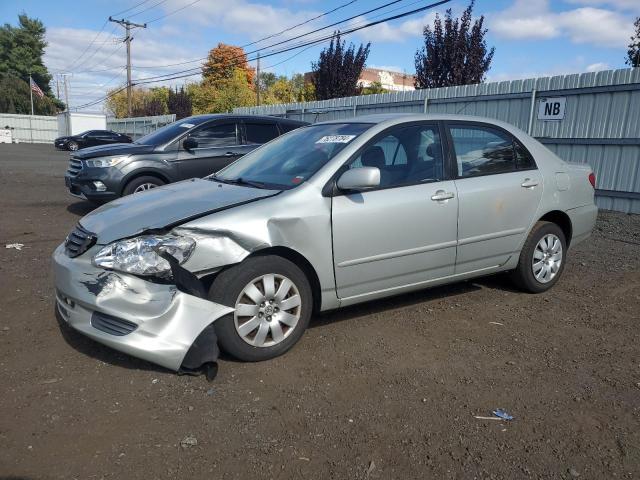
{"points": [[383, 390]]}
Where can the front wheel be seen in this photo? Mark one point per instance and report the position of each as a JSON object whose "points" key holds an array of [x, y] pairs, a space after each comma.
{"points": [[273, 304], [73, 146], [542, 258], [141, 184]]}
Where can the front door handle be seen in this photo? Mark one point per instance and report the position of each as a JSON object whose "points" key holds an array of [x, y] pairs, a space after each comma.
{"points": [[528, 183], [441, 195]]}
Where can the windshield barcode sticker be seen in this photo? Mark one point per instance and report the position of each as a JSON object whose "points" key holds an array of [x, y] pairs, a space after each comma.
{"points": [[186, 125], [336, 139]]}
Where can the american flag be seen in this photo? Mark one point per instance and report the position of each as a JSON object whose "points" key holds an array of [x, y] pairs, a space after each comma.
{"points": [[36, 89]]}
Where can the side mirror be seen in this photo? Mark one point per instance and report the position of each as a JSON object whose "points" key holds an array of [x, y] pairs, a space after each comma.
{"points": [[362, 178], [189, 143]]}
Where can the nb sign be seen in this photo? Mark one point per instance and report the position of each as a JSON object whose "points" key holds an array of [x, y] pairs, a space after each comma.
{"points": [[551, 108]]}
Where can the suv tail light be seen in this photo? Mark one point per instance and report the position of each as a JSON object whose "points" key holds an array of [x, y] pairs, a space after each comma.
{"points": [[592, 179]]}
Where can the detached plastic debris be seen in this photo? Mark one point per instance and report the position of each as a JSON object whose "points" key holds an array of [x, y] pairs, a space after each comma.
{"points": [[502, 414], [499, 414], [17, 246]]}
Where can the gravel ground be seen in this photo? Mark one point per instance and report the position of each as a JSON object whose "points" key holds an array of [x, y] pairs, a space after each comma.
{"points": [[384, 390]]}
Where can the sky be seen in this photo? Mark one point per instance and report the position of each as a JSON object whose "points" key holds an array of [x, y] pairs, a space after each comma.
{"points": [[531, 37]]}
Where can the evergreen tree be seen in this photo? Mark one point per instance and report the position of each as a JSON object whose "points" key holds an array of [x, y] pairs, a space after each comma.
{"points": [[455, 53], [179, 103], [338, 69], [633, 54]]}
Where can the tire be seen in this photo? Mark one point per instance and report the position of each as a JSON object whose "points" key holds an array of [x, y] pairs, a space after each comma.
{"points": [[537, 269], [72, 146], [268, 331], [138, 184]]}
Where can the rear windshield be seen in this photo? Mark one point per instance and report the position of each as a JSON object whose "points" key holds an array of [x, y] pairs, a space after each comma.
{"points": [[291, 159]]}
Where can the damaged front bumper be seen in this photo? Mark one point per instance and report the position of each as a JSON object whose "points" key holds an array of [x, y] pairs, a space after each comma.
{"points": [[152, 321]]}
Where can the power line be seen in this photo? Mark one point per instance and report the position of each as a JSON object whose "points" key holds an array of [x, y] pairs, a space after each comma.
{"points": [[88, 46], [171, 13], [129, 9], [312, 42], [175, 75], [147, 9], [283, 31], [292, 39]]}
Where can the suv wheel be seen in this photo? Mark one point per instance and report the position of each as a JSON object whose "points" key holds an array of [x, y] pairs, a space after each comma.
{"points": [[273, 304], [542, 258], [141, 184]]}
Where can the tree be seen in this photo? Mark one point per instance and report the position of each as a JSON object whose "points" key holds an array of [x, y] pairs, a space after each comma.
{"points": [[179, 103], [633, 54], [21, 52], [222, 63], [227, 94], [15, 97], [374, 88], [338, 69], [144, 102], [453, 54]]}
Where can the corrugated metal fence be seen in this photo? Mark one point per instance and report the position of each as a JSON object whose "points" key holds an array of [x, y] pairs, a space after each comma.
{"points": [[139, 126], [601, 124], [30, 128]]}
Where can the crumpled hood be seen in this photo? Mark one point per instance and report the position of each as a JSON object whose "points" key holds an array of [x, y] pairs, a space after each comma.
{"points": [[164, 206], [113, 149]]}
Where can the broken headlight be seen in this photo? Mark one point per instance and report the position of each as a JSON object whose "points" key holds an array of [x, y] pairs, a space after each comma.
{"points": [[141, 255]]}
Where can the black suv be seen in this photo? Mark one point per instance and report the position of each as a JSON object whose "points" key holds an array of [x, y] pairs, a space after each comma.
{"points": [[192, 147], [90, 138]]}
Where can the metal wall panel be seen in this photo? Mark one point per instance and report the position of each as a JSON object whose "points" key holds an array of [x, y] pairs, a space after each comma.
{"points": [[136, 127], [601, 126], [30, 128]]}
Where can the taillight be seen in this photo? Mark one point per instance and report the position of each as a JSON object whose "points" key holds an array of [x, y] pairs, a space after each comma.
{"points": [[592, 179]]}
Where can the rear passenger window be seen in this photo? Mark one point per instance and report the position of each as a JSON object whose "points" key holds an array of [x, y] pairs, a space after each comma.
{"points": [[261, 132], [287, 127], [524, 161], [482, 151]]}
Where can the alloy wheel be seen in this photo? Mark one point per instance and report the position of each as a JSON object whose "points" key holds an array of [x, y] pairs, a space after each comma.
{"points": [[267, 310], [144, 186], [547, 258]]}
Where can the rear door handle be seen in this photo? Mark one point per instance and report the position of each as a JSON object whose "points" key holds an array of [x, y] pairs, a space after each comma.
{"points": [[230, 154], [528, 183], [441, 195]]}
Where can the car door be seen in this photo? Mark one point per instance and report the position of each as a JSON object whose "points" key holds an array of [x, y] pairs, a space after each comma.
{"points": [[403, 232], [499, 190], [217, 146], [88, 139], [104, 137]]}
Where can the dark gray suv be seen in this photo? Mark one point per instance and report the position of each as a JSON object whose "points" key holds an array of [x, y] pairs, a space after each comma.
{"points": [[192, 147]]}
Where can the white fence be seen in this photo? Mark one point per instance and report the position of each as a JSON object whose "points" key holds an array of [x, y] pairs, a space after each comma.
{"points": [[30, 128], [44, 129]]}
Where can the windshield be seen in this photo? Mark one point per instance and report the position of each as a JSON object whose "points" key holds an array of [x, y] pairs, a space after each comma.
{"points": [[290, 160], [169, 132]]}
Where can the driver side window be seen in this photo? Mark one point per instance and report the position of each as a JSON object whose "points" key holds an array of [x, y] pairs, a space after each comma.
{"points": [[217, 135], [405, 156]]}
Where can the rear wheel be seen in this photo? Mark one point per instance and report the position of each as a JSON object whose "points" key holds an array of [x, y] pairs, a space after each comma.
{"points": [[273, 304], [542, 258], [141, 184]]}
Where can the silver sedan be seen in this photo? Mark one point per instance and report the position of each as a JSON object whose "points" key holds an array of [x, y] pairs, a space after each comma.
{"points": [[326, 216]]}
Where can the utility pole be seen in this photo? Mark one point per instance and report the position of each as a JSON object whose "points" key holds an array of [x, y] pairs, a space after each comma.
{"points": [[258, 81], [66, 103], [127, 39]]}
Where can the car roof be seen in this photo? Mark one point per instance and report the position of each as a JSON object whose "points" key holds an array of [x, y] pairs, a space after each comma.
{"points": [[390, 119], [221, 116]]}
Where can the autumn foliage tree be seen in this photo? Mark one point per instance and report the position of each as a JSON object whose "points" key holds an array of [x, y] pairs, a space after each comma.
{"points": [[222, 62], [338, 69], [454, 52], [633, 54]]}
